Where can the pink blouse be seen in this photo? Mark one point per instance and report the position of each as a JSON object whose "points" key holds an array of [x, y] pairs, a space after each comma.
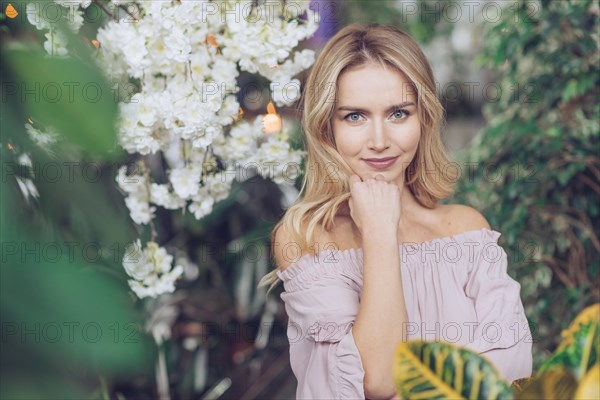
{"points": [[456, 290]]}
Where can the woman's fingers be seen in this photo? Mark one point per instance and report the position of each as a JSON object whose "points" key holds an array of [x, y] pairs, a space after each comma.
{"points": [[374, 203], [354, 179]]}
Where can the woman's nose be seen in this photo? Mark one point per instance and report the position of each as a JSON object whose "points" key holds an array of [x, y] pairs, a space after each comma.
{"points": [[378, 138]]}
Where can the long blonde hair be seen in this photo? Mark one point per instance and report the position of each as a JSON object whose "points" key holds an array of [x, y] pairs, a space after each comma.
{"points": [[325, 186]]}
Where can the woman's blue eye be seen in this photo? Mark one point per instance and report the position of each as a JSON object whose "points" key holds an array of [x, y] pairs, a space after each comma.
{"points": [[402, 113], [351, 115], [355, 117]]}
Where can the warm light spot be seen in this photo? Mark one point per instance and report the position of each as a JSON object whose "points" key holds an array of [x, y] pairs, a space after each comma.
{"points": [[210, 38], [272, 122], [30, 120], [10, 11], [93, 42], [10, 146]]}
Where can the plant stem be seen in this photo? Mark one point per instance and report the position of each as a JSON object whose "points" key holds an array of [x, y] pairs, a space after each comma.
{"points": [[103, 8]]}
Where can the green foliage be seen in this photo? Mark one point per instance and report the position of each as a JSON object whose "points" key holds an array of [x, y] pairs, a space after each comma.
{"points": [[538, 170], [68, 319], [558, 383], [572, 370], [66, 94], [422, 20], [579, 349], [427, 370], [581, 355]]}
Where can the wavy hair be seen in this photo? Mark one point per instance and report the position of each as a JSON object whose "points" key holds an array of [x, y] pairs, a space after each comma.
{"points": [[325, 185]]}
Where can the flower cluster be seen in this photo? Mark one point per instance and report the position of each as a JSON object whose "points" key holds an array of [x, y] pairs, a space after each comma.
{"points": [[150, 269], [183, 58]]}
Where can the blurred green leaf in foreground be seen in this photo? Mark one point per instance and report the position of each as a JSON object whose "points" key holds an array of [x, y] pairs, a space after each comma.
{"points": [[68, 321]]}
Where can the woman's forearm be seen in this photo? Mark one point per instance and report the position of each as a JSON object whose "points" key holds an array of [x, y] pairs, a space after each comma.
{"points": [[381, 319]]}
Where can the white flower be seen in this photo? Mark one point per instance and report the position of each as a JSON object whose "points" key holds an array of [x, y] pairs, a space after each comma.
{"points": [[224, 72], [35, 16], [178, 46], [160, 258], [145, 109], [241, 142], [41, 138], [140, 210], [219, 185], [285, 93], [161, 196], [138, 131], [202, 204], [75, 19], [138, 198], [277, 161], [199, 64], [130, 183], [56, 43], [229, 110], [185, 181], [140, 290], [150, 269], [74, 3], [205, 137], [166, 283], [135, 263], [110, 55], [304, 59]]}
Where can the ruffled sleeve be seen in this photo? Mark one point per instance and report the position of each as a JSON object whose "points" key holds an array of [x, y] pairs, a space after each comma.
{"points": [[502, 331], [321, 299]]}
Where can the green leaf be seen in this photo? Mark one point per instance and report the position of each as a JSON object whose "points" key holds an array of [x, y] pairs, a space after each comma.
{"points": [[555, 384], [589, 386], [565, 175], [578, 350], [571, 90], [427, 370], [65, 93]]}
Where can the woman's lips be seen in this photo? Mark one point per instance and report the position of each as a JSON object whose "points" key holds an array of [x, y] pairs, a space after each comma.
{"points": [[380, 163]]}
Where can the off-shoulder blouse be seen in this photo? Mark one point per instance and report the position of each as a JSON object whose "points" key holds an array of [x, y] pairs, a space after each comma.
{"points": [[456, 290]]}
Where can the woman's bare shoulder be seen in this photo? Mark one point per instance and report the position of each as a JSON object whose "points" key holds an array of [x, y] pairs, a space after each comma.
{"points": [[286, 249], [458, 218], [281, 240]]}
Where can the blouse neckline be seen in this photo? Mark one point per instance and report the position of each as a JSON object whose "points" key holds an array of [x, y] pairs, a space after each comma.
{"points": [[356, 252]]}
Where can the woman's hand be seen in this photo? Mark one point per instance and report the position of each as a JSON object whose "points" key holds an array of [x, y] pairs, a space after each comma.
{"points": [[374, 204]]}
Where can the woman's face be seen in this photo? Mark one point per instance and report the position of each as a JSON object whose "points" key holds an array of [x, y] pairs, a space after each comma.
{"points": [[375, 123]]}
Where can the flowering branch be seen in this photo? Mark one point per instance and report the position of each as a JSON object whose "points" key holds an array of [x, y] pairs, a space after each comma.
{"points": [[185, 109]]}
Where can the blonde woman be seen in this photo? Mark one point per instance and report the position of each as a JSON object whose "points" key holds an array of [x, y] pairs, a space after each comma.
{"points": [[367, 256]]}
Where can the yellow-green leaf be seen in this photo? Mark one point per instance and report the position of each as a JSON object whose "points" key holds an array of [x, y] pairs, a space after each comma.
{"points": [[589, 387], [558, 383], [587, 315], [579, 348], [426, 370]]}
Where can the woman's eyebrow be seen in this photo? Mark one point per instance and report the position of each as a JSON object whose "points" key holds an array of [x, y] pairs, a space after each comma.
{"points": [[389, 109]]}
